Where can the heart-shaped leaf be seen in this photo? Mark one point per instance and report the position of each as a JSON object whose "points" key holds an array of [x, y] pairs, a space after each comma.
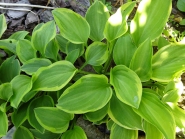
{"points": [[45, 135], [127, 85], [181, 5], [19, 35], [6, 91], [51, 50], [22, 133], [88, 88]]}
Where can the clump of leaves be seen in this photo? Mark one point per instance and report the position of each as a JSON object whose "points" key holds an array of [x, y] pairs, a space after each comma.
{"points": [[45, 84]]}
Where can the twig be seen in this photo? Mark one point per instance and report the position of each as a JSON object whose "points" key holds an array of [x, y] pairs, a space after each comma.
{"points": [[25, 5]]}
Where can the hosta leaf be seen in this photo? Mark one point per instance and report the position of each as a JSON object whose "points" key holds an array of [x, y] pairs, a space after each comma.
{"points": [[3, 25], [72, 26], [53, 77], [25, 51], [168, 63], [124, 50], [42, 36], [62, 42], [29, 96], [116, 25], [151, 131], [21, 85], [179, 115], [73, 55], [71, 46], [97, 23], [127, 85], [181, 5], [94, 89], [149, 22], [149, 110], [109, 124], [162, 42], [97, 115], [9, 69], [141, 62], [22, 133], [6, 91], [19, 35], [118, 132], [123, 115], [76, 133], [32, 65], [4, 123], [56, 121], [45, 135], [44, 101], [19, 115], [9, 45], [96, 54], [51, 50]]}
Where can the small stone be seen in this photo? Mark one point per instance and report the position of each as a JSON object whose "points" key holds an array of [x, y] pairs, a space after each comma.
{"points": [[31, 18], [45, 15]]}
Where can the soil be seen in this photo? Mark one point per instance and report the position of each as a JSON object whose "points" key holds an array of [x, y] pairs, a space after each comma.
{"points": [[30, 19]]}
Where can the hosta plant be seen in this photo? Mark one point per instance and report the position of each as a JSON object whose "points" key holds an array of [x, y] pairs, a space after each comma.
{"points": [[100, 67]]}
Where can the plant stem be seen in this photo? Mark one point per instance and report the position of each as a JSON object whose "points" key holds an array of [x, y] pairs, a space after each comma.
{"points": [[85, 72], [82, 66]]}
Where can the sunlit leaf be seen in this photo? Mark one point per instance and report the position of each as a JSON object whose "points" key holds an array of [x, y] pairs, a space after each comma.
{"points": [[118, 132], [96, 54], [94, 89], [149, 22], [25, 50], [116, 25], [149, 110], [72, 26], [127, 85], [168, 63], [4, 124], [21, 85], [124, 50], [42, 36], [22, 133], [141, 62], [97, 23], [10, 65], [6, 91], [123, 115], [32, 65], [76, 133], [53, 77], [56, 121], [43, 101], [3, 25]]}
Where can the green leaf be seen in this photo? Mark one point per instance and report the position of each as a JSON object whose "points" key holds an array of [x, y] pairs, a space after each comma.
{"points": [[3, 25], [32, 65], [96, 54], [118, 132], [4, 124], [19, 115], [97, 115], [116, 25], [88, 88], [56, 121], [179, 115], [168, 63], [29, 96], [97, 23], [72, 56], [127, 85], [8, 45], [45, 135], [25, 51], [9, 69], [62, 42], [155, 112], [53, 77], [182, 22], [6, 91], [124, 50], [21, 85], [76, 133], [181, 5], [109, 124], [123, 115], [22, 133], [19, 35], [42, 36], [72, 26], [162, 42], [71, 46], [151, 131], [43, 101], [51, 50], [149, 22], [141, 62]]}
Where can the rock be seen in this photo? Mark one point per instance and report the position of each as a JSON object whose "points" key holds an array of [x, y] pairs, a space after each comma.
{"points": [[60, 3], [45, 15], [16, 22], [31, 18], [10, 133], [39, 2], [18, 14]]}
